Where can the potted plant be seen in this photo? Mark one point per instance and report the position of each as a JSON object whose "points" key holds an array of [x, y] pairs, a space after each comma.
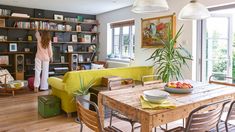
{"points": [[169, 59], [83, 91]]}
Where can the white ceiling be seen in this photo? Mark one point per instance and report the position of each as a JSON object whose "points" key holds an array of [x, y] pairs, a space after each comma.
{"points": [[77, 6]]}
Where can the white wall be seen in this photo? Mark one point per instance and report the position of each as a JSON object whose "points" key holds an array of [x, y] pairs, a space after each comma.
{"points": [[141, 54]]}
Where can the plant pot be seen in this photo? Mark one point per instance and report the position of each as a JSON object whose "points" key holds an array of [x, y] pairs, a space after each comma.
{"points": [[86, 97]]}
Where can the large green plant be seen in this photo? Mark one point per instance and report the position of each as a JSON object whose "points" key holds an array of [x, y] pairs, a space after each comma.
{"points": [[169, 59], [84, 89]]}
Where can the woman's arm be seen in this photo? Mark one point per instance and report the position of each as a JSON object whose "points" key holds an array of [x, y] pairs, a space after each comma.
{"points": [[37, 35]]}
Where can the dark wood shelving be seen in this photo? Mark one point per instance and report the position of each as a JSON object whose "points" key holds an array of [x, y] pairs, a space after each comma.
{"points": [[3, 65], [81, 52], [66, 63], [84, 62], [33, 29], [52, 42], [46, 19], [18, 41], [4, 53]]}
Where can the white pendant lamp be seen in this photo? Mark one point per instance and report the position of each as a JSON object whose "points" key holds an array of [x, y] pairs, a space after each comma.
{"points": [[149, 6], [194, 11]]}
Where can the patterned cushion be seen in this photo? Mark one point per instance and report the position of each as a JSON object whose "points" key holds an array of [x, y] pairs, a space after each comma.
{"points": [[8, 76]]}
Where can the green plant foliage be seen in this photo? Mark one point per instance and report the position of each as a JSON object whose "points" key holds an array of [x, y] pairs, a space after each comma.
{"points": [[170, 58], [84, 89]]}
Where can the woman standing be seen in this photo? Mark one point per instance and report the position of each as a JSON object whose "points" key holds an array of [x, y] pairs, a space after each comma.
{"points": [[43, 57]]}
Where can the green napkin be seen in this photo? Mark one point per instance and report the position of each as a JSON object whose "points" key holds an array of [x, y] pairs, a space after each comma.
{"points": [[149, 105]]}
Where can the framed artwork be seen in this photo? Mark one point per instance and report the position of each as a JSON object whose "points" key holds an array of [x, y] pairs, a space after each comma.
{"points": [[154, 30], [4, 60], [12, 47], [74, 38], [58, 17], [70, 48], [87, 38]]}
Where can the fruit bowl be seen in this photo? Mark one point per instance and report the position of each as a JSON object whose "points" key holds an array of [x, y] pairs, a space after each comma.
{"points": [[178, 87]]}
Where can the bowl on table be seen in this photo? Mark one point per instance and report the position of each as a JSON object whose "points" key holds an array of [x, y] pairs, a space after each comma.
{"points": [[155, 95], [178, 87]]}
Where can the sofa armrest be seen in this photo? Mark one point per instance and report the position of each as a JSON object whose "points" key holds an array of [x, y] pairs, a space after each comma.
{"points": [[56, 83]]}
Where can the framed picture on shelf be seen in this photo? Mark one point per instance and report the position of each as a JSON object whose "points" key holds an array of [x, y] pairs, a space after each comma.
{"points": [[62, 59], [58, 17], [70, 48], [2, 22], [154, 30], [13, 47], [74, 38], [87, 38], [4, 60], [80, 58]]}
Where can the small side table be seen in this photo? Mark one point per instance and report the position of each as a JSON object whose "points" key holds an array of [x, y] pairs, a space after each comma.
{"points": [[6, 88]]}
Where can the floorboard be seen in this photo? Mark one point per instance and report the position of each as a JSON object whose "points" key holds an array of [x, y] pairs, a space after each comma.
{"points": [[19, 114]]}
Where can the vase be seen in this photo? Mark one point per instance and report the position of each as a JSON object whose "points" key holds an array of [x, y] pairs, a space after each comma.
{"points": [[86, 97]]}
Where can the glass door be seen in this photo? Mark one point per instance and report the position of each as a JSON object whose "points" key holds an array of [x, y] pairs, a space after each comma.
{"points": [[217, 47]]}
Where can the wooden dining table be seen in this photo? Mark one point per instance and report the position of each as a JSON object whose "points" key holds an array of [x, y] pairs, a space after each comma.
{"points": [[127, 102]]}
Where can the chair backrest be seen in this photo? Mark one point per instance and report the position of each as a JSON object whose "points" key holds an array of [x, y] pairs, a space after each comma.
{"points": [[231, 112], [90, 118], [120, 83], [205, 117], [228, 83], [150, 79]]}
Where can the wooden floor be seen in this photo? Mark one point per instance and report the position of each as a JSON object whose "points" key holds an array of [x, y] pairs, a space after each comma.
{"points": [[19, 114]]}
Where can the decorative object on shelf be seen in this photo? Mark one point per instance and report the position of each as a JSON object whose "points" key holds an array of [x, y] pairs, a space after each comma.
{"points": [[71, 19], [92, 48], [70, 48], [80, 58], [93, 39], [38, 13], [149, 6], [30, 38], [88, 59], [58, 17], [13, 47], [55, 39], [94, 29], [87, 38], [78, 28], [194, 11], [20, 39], [68, 27], [170, 58], [3, 38], [157, 27], [80, 18], [60, 27], [74, 38], [2, 22], [27, 49], [5, 12], [20, 15], [62, 59], [4, 60], [89, 20]]}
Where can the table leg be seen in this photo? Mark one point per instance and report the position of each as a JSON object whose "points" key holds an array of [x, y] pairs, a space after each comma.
{"points": [[13, 92], [101, 109], [146, 123]]}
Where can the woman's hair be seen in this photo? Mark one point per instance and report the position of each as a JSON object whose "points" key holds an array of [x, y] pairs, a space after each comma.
{"points": [[46, 38]]}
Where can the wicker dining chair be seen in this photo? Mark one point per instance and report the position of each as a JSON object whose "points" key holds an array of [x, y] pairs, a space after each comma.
{"points": [[91, 118], [119, 84], [204, 118], [224, 125], [150, 79]]}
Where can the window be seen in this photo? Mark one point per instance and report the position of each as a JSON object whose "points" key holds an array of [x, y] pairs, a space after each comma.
{"points": [[123, 40]]}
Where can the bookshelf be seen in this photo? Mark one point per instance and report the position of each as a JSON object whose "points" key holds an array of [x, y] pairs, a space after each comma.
{"points": [[18, 29]]}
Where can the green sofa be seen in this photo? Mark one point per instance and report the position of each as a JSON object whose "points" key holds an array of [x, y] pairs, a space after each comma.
{"points": [[64, 87]]}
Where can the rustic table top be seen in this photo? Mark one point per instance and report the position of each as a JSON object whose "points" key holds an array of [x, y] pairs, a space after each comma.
{"points": [[127, 101]]}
